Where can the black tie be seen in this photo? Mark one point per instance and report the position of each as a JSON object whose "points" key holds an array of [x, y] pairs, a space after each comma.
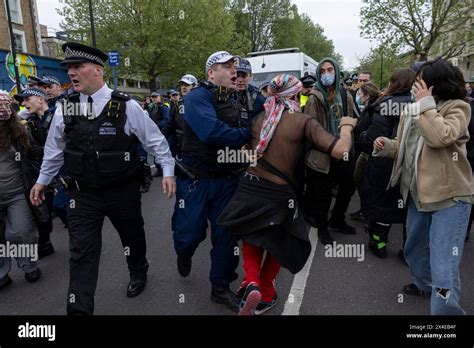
{"points": [[90, 107]]}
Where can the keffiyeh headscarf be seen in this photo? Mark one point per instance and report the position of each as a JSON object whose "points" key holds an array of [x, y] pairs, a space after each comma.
{"points": [[281, 88]]}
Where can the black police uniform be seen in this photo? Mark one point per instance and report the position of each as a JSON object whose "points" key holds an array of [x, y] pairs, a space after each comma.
{"points": [[99, 178], [174, 130], [39, 127]]}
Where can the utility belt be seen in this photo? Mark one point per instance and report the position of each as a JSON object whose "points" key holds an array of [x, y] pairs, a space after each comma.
{"points": [[72, 184], [195, 175], [69, 183]]}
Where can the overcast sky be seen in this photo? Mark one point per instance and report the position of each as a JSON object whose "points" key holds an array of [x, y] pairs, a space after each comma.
{"points": [[339, 18]]}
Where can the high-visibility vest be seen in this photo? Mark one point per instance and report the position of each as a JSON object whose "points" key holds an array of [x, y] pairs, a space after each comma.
{"points": [[303, 100]]}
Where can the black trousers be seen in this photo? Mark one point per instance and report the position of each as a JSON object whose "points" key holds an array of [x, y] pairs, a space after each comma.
{"points": [[45, 228], [318, 193], [86, 212]]}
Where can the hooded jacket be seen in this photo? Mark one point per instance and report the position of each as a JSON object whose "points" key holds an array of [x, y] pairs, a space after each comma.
{"points": [[318, 107]]}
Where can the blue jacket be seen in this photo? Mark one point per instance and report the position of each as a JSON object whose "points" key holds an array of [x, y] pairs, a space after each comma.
{"points": [[200, 115]]}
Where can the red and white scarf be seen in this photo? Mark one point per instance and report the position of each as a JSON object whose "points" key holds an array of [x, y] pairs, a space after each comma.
{"points": [[282, 88]]}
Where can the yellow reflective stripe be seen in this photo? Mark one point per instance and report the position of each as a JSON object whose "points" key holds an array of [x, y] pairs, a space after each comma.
{"points": [[303, 100]]}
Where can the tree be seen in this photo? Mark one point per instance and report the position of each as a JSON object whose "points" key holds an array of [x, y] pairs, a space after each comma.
{"points": [[419, 27], [160, 37], [257, 18], [287, 30], [290, 29], [381, 62]]}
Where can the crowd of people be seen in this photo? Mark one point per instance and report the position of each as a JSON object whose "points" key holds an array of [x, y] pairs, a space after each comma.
{"points": [[84, 154]]}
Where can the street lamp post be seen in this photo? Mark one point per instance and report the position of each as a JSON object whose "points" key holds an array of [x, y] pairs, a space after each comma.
{"points": [[381, 68], [91, 14], [13, 47]]}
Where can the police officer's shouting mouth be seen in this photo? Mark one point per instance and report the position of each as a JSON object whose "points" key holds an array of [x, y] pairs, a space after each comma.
{"points": [[224, 74]]}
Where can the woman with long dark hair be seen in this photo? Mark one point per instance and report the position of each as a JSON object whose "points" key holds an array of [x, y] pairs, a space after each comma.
{"points": [[382, 207], [19, 164], [435, 177]]}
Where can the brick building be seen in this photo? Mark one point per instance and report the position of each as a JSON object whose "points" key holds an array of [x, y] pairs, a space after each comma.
{"points": [[26, 28]]}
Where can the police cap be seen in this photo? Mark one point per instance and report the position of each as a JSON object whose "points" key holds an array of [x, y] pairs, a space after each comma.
{"points": [[308, 81], [79, 53]]}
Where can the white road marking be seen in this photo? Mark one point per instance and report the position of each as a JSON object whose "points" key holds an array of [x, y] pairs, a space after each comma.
{"points": [[295, 298]]}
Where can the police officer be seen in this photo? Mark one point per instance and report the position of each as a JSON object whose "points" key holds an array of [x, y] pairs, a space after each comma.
{"points": [[38, 121], [34, 82], [308, 82], [95, 134], [160, 112], [174, 129], [250, 99], [187, 83], [31, 82], [174, 96], [52, 87], [213, 122]]}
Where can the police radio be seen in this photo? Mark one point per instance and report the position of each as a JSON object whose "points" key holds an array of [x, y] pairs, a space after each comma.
{"points": [[222, 94]]}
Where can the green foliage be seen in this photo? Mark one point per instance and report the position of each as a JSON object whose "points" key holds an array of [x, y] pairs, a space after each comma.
{"points": [[169, 38], [421, 28], [258, 19], [381, 62], [161, 37]]}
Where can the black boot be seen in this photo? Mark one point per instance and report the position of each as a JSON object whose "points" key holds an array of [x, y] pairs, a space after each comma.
{"points": [[33, 276], [341, 226], [324, 236], [184, 266], [145, 188], [45, 249], [377, 245], [224, 295], [357, 216], [137, 285], [6, 282]]}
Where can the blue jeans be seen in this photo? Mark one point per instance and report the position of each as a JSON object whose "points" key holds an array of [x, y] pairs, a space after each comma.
{"points": [[433, 251], [193, 208]]}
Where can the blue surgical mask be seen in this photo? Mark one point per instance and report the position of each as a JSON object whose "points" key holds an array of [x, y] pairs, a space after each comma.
{"points": [[360, 103], [327, 79]]}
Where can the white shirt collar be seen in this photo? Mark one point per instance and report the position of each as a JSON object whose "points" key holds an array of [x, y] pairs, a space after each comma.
{"points": [[99, 94], [100, 98]]}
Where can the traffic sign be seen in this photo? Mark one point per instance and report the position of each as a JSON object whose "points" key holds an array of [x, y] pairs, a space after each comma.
{"points": [[114, 58]]}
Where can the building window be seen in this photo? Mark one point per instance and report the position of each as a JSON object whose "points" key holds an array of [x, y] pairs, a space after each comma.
{"points": [[20, 41], [15, 11]]}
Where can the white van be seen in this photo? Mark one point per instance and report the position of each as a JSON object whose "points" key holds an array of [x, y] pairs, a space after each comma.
{"points": [[268, 64]]}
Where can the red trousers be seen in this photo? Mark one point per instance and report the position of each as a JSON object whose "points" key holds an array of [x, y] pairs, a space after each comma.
{"points": [[264, 275]]}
